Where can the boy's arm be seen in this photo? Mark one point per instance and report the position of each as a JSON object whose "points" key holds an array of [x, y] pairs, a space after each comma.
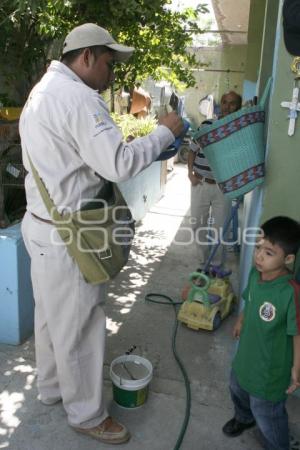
{"points": [[238, 326], [296, 366], [245, 296]]}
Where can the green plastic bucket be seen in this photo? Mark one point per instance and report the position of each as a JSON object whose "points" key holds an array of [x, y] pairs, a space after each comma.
{"points": [[130, 375]]}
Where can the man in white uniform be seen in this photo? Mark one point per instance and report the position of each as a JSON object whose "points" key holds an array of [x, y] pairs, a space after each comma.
{"points": [[73, 143]]}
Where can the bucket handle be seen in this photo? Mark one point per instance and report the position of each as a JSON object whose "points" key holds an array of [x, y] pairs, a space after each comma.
{"points": [[262, 101]]}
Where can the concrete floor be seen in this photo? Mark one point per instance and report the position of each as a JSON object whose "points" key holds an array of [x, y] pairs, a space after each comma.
{"points": [[159, 263]]}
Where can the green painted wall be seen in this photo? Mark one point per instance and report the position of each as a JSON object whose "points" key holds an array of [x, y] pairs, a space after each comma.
{"points": [[280, 192], [269, 39], [255, 35], [281, 189]]}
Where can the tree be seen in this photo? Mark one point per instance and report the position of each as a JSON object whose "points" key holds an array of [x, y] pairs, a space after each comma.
{"points": [[25, 40], [30, 28]]}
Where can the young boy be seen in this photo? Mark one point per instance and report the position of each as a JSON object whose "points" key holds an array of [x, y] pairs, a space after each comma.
{"points": [[267, 364]]}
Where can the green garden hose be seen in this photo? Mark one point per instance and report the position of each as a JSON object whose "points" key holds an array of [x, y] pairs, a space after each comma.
{"points": [[149, 298]]}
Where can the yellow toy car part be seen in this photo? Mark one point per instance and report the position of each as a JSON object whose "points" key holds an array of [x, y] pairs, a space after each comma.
{"points": [[207, 302]]}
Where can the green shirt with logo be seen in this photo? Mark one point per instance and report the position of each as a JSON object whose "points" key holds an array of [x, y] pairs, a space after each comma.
{"points": [[264, 357]]}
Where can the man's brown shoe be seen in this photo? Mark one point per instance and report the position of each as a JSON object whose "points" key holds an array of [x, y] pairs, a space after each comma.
{"points": [[109, 431]]}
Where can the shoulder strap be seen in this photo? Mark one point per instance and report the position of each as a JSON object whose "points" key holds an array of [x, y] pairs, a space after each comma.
{"points": [[51, 208]]}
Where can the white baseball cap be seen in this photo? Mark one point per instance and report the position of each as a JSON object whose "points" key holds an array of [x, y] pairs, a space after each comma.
{"points": [[90, 34]]}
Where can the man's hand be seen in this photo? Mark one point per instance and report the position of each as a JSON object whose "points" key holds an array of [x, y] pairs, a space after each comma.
{"points": [[173, 122], [194, 179]]}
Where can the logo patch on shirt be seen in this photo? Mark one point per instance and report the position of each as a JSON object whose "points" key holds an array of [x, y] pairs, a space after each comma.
{"points": [[100, 123], [98, 118], [267, 312]]}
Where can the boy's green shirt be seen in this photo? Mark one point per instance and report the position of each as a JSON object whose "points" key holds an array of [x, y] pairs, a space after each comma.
{"points": [[265, 354]]}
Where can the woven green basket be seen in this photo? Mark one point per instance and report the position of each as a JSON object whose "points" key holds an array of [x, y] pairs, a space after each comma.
{"points": [[235, 149]]}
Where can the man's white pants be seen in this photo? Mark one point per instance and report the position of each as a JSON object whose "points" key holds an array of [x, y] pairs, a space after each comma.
{"points": [[209, 210], [69, 327]]}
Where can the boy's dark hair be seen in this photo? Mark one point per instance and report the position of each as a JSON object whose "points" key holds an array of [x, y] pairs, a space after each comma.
{"points": [[284, 232]]}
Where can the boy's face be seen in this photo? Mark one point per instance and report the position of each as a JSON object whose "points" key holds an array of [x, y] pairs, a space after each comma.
{"points": [[270, 259]]}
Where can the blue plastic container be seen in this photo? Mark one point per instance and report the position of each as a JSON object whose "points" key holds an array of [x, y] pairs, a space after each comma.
{"points": [[16, 298]]}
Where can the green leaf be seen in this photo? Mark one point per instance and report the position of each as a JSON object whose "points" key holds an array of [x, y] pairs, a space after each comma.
{"points": [[32, 30]]}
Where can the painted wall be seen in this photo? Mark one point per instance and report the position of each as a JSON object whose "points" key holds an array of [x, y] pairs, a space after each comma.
{"points": [[262, 61], [281, 190], [143, 191], [210, 81], [267, 53], [279, 194], [255, 38], [255, 35]]}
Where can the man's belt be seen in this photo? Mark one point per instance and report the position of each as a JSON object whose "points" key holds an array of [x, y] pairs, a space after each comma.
{"points": [[208, 180], [205, 180], [41, 220]]}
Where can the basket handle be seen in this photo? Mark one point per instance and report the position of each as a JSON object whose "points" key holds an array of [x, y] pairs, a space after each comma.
{"points": [[262, 101]]}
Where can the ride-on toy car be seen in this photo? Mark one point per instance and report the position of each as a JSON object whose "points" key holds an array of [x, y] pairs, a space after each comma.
{"points": [[208, 299]]}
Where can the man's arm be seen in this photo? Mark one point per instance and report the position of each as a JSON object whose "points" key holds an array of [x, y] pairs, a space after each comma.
{"points": [[100, 142], [295, 384], [193, 178]]}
